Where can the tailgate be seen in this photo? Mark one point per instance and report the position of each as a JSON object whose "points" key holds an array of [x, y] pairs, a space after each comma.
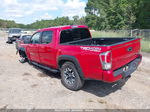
{"points": [[124, 53]]}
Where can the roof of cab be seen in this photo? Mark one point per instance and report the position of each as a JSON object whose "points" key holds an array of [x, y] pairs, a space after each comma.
{"points": [[63, 27]]}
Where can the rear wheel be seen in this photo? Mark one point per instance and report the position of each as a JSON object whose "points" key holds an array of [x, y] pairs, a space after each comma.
{"points": [[70, 77]]}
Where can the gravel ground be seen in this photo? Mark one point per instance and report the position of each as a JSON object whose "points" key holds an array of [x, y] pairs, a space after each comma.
{"points": [[25, 86]]}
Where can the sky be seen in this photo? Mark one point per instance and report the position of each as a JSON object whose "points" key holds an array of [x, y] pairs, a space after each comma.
{"points": [[28, 11]]}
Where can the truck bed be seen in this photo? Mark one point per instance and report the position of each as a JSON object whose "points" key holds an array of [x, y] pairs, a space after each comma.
{"points": [[99, 41], [120, 50]]}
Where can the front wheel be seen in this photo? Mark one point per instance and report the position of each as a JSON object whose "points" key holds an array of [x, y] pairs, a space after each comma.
{"points": [[22, 59], [70, 77]]}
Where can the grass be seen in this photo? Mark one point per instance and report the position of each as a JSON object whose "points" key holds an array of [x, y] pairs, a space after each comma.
{"points": [[145, 46], [145, 43], [108, 34]]}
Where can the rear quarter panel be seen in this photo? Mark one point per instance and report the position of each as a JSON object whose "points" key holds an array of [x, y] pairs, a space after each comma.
{"points": [[89, 60]]}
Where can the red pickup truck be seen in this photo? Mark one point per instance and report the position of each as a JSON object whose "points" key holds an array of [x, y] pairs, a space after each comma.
{"points": [[72, 51]]}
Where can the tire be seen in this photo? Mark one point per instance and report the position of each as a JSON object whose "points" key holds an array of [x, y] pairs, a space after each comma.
{"points": [[70, 77], [22, 60], [23, 57]]}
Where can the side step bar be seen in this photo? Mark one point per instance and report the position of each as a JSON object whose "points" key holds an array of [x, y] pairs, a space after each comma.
{"points": [[45, 67]]}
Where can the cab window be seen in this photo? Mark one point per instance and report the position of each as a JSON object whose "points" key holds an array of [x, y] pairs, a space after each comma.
{"points": [[74, 35]]}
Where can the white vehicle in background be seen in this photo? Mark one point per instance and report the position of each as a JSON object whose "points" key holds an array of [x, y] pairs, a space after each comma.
{"points": [[13, 34]]}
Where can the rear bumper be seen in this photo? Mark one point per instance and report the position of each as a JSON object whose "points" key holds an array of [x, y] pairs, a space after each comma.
{"points": [[124, 71]]}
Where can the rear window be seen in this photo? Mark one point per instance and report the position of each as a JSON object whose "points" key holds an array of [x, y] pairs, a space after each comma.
{"points": [[74, 34]]}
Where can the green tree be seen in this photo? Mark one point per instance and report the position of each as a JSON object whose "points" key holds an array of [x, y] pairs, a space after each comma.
{"points": [[117, 14], [143, 14]]}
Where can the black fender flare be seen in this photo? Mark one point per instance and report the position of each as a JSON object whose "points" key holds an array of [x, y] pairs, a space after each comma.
{"points": [[72, 59], [21, 49]]}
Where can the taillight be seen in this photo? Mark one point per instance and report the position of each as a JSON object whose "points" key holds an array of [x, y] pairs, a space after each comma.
{"points": [[106, 60]]}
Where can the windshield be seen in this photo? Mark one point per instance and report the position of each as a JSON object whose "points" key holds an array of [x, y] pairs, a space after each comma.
{"points": [[15, 31]]}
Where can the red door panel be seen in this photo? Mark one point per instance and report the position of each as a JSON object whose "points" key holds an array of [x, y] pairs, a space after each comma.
{"points": [[47, 49], [46, 54], [33, 48], [34, 52]]}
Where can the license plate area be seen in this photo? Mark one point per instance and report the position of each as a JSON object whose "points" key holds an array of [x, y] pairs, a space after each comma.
{"points": [[128, 69]]}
